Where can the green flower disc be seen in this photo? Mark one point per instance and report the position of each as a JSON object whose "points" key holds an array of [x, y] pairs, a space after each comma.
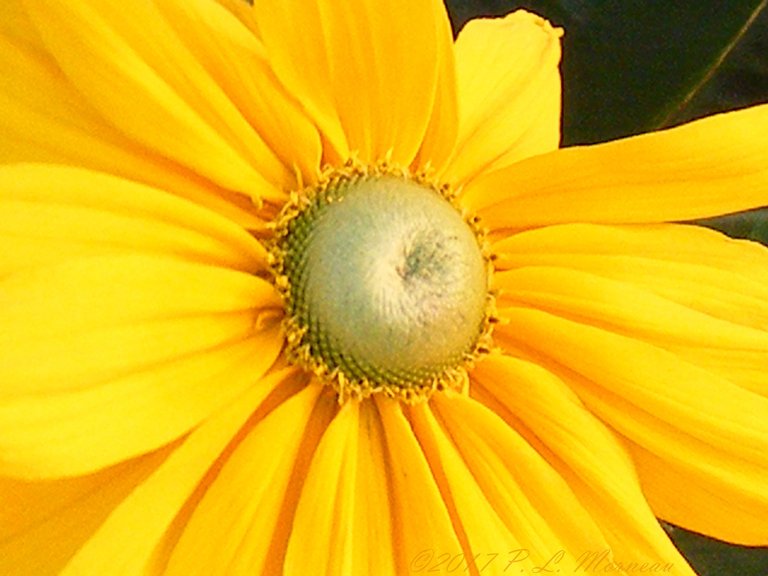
{"points": [[387, 281]]}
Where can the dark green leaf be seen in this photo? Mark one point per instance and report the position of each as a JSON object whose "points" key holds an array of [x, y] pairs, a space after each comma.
{"points": [[752, 225], [711, 557], [740, 78]]}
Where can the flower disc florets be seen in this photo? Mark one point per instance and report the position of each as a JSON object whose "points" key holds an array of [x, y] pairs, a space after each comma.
{"points": [[385, 283]]}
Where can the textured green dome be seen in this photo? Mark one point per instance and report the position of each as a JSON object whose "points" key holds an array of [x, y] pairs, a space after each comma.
{"points": [[387, 280]]}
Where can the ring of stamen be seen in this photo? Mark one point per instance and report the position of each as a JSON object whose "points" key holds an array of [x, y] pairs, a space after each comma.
{"points": [[385, 283]]}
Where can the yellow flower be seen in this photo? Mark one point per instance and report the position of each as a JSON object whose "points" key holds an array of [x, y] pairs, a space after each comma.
{"points": [[180, 396]]}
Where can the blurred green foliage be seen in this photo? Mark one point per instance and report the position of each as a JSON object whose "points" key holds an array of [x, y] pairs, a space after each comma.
{"points": [[631, 66]]}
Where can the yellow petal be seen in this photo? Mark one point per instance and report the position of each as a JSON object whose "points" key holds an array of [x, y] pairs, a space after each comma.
{"points": [[708, 167], [343, 523], [234, 58], [233, 529], [509, 93], [301, 62], [588, 456], [480, 528], [54, 213], [126, 544], [43, 524], [244, 12], [422, 525], [712, 503], [701, 276], [46, 119], [366, 71], [119, 355], [719, 466], [158, 93], [629, 309], [15, 26], [87, 321], [531, 498], [714, 430], [440, 136]]}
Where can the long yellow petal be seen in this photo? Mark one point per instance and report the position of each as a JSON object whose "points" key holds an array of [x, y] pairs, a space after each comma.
{"points": [[713, 502], [343, 523], [423, 528], [158, 93], [46, 119], [87, 321], [443, 126], [631, 310], [366, 71], [44, 524], [588, 456], [246, 502], [234, 58], [509, 93], [535, 503], [54, 213], [119, 355], [712, 166], [699, 275], [699, 422], [126, 544], [480, 526]]}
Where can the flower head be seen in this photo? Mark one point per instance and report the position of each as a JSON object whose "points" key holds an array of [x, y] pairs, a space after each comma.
{"points": [[309, 288]]}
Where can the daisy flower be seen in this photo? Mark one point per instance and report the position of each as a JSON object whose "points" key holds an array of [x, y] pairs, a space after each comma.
{"points": [[307, 287]]}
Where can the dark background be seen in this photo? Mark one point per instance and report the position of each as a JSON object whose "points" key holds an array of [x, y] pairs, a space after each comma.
{"points": [[631, 66]]}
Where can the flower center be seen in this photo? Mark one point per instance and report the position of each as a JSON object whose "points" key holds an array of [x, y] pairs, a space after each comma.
{"points": [[385, 284]]}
